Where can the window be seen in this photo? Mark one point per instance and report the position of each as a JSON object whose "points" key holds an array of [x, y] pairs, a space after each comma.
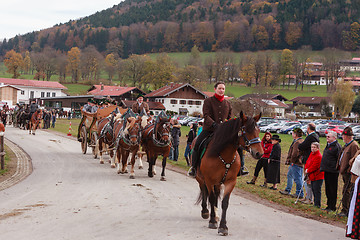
{"points": [[162, 101], [190, 102], [47, 94], [172, 101], [31, 94], [42, 94], [53, 94], [22, 92], [182, 102], [197, 102]]}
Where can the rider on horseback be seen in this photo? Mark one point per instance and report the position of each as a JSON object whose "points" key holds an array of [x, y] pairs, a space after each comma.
{"points": [[216, 109], [33, 107]]}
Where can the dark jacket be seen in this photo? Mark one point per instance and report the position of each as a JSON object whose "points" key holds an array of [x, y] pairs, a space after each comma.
{"points": [[275, 154], [347, 153], [138, 109], [215, 111], [330, 157], [175, 134], [191, 136], [294, 156], [305, 146], [33, 107]]}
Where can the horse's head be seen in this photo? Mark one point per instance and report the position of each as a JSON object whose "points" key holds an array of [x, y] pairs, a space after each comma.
{"points": [[163, 129], [249, 135], [133, 129]]}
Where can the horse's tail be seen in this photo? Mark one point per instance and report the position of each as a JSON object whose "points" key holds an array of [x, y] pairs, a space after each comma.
{"points": [[203, 194]]}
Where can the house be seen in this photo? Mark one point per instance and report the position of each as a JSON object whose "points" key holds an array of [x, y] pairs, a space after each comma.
{"points": [[320, 77], [271, 107], [313, 103], [264, 96], [179, 97], [116, 92], [67, 103], [355, 82], [352, 65], [155, 107], [9, 94], [31, 89]]}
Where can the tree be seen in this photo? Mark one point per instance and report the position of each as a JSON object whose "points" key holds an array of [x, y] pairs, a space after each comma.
{"points": [[110, 65], [343, 98], [13, 61], [73, 66], [351, 39], [195, 58], [209, 68], [27, 62], [356, 106], [286, 63], [325, 108], [268, 69], [301, 109], [133, 69], [193, 75], [90, 63], [293, 34], [247, 72]]}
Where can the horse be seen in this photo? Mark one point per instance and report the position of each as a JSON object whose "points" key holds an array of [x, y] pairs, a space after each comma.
{"points": [[156, 141], [35, 121], [105, 131], [221, 163], [127, 141]]}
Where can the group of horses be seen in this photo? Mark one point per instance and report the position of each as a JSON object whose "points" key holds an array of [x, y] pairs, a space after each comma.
{"points": [[220, 162], [28, 121]]}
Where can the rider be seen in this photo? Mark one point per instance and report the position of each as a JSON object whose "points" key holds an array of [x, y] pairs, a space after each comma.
{"points": [[216, 109], [140, 105], [33, 107]]}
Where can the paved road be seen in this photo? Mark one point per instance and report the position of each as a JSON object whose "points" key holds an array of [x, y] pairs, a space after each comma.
{"points": [[71, 196]]}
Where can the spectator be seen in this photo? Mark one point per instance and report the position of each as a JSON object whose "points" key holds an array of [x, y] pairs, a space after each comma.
{"points": [[46, 118], [328, 166], [242, 171], [175, 135], [190, 137], [295, 170], [312, 169], [263, 161], [305, 147], [53, 119], [273, 175], [344, 165], [200, 128]]}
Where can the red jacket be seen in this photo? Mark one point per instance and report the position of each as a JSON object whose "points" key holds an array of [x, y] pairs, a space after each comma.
{"points": [[267, 147], [313, 166]]}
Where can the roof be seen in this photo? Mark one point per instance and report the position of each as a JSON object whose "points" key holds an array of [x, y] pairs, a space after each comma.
{"points": [[323, 73], [110, 90], [210, 94], [310, 100], [270, 103], [170, 88], [66, 97], [10, 86], [152, 105], [264, 96], [31, 83]]}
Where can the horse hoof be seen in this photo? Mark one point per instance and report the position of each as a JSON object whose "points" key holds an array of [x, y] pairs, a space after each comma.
{"points": [[33, 133], [101, 162], [109, 161], [205, 215], [140, 167], [213, 225], [126, 171], [150, 175], [132, 177], [112, 166], [162, 178], [223, 231], [118, 172]]}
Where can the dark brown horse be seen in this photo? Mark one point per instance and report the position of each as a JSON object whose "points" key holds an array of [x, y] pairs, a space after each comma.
{"points": [[221, 163], [127, 141], [35, 121], [106, 137], [156, 141]]}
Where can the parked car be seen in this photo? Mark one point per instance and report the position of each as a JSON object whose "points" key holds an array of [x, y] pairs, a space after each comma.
{"points": [[357, 134], [320, 129], [336, 128], [289, 126], [195, 121], [186, 120], [267, 128], [275, 128]]}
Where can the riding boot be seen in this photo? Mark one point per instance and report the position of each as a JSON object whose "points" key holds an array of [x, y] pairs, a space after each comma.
{"points": [[187, 161], [253, 180], [194, 159]]}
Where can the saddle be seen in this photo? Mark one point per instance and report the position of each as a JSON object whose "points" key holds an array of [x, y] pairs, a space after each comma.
{"points": [[203, 145]]}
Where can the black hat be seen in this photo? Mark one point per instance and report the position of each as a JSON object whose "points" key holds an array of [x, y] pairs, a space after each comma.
{"points": [[139, 95], [276, 137], [298, 131], [348, 131]]}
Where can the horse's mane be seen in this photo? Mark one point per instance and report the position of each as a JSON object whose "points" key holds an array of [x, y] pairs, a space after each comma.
{"points": [[227, 133]]}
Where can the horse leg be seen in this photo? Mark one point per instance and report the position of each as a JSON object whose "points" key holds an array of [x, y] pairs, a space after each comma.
{"points": [[118, 160], [223, 229], [101, 151], [163, 169], [132, 172], [139, 155], [204, 198], [124, 156], [217, 193], [112, 155], [113, 158], [212, 223], [150, 170]]}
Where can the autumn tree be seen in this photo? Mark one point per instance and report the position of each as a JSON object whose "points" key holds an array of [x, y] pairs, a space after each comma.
{"points": [[27, 63], [13, 61], [293, 34], [259, 68], [73, 66], [286, 65], [193, 75], [343, 98], [90, 63], [111, 65], [261, 37], [195, 58], [268, 69], [203, 36], [351, 39], [61, 63], [133, 69], [247, 72], [209, 68]]}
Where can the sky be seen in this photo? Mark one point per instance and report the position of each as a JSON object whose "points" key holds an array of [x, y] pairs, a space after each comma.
{"points": [[23, 16]]}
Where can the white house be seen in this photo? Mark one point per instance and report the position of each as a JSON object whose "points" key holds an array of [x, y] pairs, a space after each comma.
{"points": [[180, 98], [30, 89]]}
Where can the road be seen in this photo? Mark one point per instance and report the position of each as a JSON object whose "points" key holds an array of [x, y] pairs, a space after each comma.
{"points": [[71, 196]]}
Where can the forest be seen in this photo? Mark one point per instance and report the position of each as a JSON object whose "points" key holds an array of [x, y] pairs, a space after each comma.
{"points": [[152, 26]]}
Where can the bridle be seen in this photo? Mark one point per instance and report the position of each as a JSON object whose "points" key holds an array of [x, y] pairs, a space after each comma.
{"points": [[248, 143]]}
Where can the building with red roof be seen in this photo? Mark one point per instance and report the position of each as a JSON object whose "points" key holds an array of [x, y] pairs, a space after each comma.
{"points": [[33, 89]]}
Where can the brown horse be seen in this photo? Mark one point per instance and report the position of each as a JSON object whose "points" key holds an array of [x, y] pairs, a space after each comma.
{"points": [[221, 163], [105, 131], [156, 141], [35, 121], [127, 142]]}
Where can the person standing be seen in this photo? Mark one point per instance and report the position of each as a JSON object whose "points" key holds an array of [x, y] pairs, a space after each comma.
{"points": [[328, 166], [266, 145], [295, 170], [190, 137], [273, 175], [200, 128], [140, 105], [344, 165], [216, 109], [175, 135], [305, 147], [53, 119], [312, 169]]}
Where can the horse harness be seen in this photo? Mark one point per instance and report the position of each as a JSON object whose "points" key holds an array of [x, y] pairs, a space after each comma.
{"points": [[153, 135], [122, 136]]}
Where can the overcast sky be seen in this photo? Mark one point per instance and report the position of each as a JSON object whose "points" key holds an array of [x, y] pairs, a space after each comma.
{"points": [[23, 16]]}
